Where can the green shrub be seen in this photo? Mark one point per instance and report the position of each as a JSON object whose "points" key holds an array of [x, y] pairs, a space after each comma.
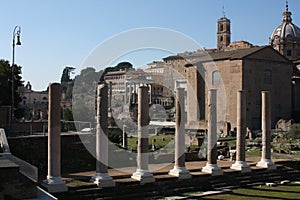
{"points": [[294, 132]]}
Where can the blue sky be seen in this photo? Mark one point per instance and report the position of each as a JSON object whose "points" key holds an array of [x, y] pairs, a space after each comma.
{"points": [[59, 33]]}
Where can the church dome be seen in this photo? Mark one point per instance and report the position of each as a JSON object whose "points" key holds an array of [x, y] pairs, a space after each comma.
{"points": [[287, 30]]}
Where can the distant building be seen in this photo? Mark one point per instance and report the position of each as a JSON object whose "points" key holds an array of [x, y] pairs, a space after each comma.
{"points": [[286, 37], [234, 66], [286, 40], [126, 82], [34, 103], [251, 69]]}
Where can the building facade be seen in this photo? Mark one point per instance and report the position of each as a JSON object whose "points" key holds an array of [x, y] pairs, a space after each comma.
{"points": [[34, 103], [239, 65]]}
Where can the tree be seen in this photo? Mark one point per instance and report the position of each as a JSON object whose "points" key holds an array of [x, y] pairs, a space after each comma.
{"points": [[84, 92], [119, 66], [6, 86], [68, 115], [66, 74], [294, 132]]}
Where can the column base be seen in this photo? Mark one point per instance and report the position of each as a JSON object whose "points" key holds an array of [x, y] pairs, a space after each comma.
{"points": [[55, 184], [180, 172], [266, 163], [212, 169], [103, 180], [144, 176], [241, 166]]}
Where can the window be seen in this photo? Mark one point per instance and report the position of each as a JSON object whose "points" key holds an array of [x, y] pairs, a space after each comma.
{"points": [[289, 53], [221, 27], [216, 78], [268, 76], [221, 38]]}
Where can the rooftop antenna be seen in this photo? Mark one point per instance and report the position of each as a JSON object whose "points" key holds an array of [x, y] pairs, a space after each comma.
{"points": [[286, 6], [223, 11]]}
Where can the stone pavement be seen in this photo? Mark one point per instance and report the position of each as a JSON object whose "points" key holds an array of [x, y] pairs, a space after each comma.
{"points": [[159, 169]]}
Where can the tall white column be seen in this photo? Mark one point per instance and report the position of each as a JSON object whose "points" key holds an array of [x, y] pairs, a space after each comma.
{"points": [[179, 169], [142, 173], [130, 93], [150, 93], [266, 161], [240, 163], [125, 92], [211, 165], [54, 182], [101, 178], [110, 96]]}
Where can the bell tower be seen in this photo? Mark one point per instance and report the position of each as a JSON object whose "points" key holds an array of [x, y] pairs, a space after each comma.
{"points": [[223, 34]]}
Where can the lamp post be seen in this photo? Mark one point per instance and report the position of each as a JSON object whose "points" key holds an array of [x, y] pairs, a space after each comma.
{"points": [[16, 32]]}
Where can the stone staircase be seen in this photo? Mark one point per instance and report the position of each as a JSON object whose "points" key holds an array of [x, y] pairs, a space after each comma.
{"points": [[13, 184], [166, 185]]}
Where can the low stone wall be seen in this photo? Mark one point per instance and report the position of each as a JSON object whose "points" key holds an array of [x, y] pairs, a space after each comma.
{"points": [[13, 185], [33, 149], [74, 156]]}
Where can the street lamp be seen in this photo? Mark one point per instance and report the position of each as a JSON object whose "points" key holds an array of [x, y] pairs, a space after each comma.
{"points": [[17, 32]]}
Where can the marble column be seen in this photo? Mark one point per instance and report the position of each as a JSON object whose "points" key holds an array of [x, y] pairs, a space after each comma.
{"points": [[179, 169], [101, 178], [240, 163], [266, 161], [142, 173], [125, 140], [150, 93], [130, 93], [211, 165], [110, 96], [134, 88], [125, 94], [54, 182]]}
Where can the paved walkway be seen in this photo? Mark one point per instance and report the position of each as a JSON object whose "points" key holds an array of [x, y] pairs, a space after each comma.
{"points": [[158, 169], [163, 169]]}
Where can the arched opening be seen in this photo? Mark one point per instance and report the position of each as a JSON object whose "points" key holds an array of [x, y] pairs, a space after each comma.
{"points": [[216, 78]]}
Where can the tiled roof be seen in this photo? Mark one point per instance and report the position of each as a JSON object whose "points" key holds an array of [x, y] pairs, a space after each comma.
{"points": [[175, 57], [235, 54]]}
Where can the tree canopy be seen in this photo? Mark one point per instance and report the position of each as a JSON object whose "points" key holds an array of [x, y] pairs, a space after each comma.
{"points": [[119, 66], [6, 86], [66, 74]]}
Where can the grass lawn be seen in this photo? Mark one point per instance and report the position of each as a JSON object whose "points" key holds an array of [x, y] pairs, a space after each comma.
{"points": [[158, 140], [260, 193], [253, 153], [296, 153]]}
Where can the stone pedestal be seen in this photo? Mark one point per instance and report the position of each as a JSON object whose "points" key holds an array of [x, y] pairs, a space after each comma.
{"points": [[180, 172], [179, 169], [101, 178], [54, 182], [142, 174], [240, 163], [212, 169], [266, 161], [241, 166], [211, 165]]}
